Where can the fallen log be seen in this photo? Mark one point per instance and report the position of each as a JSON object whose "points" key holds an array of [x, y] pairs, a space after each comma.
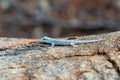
{"points": [[28, 59]]}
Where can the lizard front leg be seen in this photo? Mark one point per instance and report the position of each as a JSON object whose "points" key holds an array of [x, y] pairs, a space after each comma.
{"points": [[52, 45]]}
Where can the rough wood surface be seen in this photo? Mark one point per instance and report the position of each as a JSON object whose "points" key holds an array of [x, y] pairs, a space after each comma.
{"points": [[28, 59]]}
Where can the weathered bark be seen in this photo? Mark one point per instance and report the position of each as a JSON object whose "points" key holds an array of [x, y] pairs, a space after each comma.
{"points": [[26, 59]]}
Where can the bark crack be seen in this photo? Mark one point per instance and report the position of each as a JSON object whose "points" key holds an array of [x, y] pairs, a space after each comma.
{"points": [[113, 62]]}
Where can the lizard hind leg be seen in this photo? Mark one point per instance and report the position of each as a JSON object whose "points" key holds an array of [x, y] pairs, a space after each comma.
{"points": [[73, 45]]}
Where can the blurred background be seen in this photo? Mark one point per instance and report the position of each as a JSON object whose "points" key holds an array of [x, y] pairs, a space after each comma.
{"points": [[58, 18]]}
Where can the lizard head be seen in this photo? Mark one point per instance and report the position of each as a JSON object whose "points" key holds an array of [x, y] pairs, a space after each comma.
{"points": [[44, 39]]}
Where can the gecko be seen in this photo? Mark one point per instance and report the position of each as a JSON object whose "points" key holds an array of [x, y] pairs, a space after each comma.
{"points": [[58, 42]]}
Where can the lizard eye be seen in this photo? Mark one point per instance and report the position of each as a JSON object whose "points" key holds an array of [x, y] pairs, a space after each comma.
{"points": [[44, 39]]}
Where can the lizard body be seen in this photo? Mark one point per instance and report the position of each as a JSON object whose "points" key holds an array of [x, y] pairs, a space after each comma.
{"points": [[59, 42]]}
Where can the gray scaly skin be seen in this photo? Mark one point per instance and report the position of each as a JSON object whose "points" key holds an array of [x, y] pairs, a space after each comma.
{"points": [[59, 42]]}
